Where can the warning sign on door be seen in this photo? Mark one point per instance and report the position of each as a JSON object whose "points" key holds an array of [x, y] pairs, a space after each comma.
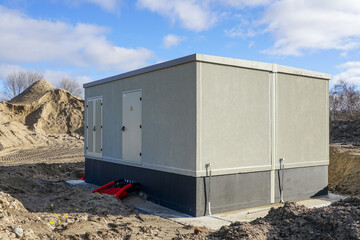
{"points": [[131, 108]]}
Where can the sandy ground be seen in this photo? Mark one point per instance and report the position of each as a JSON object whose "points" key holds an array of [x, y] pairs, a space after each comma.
{"points": [[344, 169], [35, 198]]}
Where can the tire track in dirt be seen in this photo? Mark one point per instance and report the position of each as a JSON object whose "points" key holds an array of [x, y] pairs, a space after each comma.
{"points": [[55, 154]]}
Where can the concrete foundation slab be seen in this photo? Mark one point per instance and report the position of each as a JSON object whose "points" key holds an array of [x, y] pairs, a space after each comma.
{"points": [[216, 221]]}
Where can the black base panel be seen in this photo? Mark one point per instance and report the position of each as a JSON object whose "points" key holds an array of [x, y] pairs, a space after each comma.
{"points": [[300, 183], [174, 191], [228, 192]]}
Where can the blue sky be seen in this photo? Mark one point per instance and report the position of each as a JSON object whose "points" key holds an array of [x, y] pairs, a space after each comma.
{"points": [[92, 39]]}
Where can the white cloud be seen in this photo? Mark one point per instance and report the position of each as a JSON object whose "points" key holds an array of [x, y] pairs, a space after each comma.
{"points": [[351, 73], [28, 40], [172, 40], [108, 5], [240, 31], [244, 3], [6, 69], [312, 24], [54, 77], [192, 14]]}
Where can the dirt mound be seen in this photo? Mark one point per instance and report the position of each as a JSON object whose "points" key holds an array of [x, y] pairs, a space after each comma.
{"points": [[41, 110], [56, 112], [39, 202], [32, 93], [345, 131], [338, 221], [344, 170]]}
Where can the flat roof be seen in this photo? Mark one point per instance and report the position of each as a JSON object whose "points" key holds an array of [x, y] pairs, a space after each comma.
{"points": [[270, 67]]}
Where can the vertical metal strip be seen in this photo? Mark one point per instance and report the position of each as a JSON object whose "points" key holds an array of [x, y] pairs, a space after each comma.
{"points": [[327, 120], [273, 132], [86, 134], [199, 162], [101, 126], [94, 124]]}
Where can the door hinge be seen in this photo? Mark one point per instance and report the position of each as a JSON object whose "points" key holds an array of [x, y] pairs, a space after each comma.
{"points": [[101, 104], [140, 154], [87, 126], [101, 149], [87, 148], [140, 126], [140, 99], [101, 126], [87, 106]]}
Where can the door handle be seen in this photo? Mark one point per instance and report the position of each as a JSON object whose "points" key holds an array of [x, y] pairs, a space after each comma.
{"points": [[123, 129]]}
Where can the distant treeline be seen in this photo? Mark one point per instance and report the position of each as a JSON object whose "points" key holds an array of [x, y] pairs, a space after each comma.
{"points": [[344, 101]]}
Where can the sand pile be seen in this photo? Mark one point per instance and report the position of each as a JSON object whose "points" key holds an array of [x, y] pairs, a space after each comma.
{"points": [[33, 93], [344, 170], [37, 113]]}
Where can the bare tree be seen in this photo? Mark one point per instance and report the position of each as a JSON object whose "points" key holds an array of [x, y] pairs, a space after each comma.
{"points": [[344, 101], [71, 85], [16, 82], [32, 77]]}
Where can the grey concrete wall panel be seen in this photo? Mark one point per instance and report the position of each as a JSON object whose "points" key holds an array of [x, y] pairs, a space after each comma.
{"points": [[169, 117], [302, 135], [304, 182], [235, 119]]}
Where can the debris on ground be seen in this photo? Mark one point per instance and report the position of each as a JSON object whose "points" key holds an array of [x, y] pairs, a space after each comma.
{"points": [[341, 220]]}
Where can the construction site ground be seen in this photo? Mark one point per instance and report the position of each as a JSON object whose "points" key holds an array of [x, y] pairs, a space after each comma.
{"points": [[35, 197]]}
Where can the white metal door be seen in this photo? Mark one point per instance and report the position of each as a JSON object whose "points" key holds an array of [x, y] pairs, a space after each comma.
{"points": [[131, 126], [94, 127]]}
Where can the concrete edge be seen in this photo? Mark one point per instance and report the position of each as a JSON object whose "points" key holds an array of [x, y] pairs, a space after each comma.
{"points": [[269, 67], [150, 68], [202, 173]]}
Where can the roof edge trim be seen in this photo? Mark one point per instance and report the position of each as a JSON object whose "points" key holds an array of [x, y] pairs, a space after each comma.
{"points": [[269, 67], [158, 66]]}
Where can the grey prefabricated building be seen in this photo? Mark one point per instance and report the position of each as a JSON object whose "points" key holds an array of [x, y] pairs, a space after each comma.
{"points": [[161, 125]]}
